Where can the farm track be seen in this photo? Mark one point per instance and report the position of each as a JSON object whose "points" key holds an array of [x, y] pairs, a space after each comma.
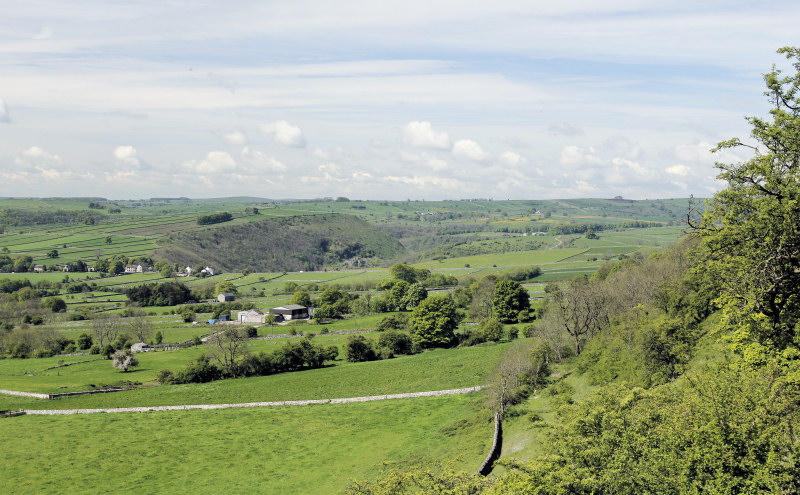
{"points": [[347, 400]]}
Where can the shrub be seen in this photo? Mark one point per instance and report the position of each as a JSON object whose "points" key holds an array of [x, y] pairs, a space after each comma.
{"points": [[165, 377], [358, 349], [528, 331], [395, 342], [393, 322], [84, 341], [251, 332]]}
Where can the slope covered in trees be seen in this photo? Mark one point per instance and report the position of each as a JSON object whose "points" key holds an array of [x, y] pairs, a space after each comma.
{"points": [[303, 242]]}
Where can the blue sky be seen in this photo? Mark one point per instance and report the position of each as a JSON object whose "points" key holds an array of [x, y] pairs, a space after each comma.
{"points": [[379, 100]]}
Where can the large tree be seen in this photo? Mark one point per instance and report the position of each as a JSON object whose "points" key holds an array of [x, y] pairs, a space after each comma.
{"points": [[433, 322], [509, 299], [751, 229]]}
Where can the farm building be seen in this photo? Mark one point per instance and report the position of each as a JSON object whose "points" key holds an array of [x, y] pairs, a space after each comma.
{"points": [[225, 297], [252, 316], [39, 268], [138, 268], [208, 271], [292, 312]]}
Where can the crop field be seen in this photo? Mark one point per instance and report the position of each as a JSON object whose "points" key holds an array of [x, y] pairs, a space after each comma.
{"points": [[310, 449]]}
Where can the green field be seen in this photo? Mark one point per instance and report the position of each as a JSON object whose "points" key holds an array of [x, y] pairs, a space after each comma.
{"points": [[310, 449], [432, 370]]}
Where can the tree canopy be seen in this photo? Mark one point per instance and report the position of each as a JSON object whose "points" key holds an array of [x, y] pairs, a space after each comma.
{"points": [[751, 229]]}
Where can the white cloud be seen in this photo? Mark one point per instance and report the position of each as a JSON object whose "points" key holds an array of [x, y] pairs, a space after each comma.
{"points": [[681, 170], [576, 156], [262, 162], [285, 134], [422, 135], [429, 182], [466, 148], [437, 165], [236, 138], [4, 115], [512, 158], [127, 157], [36, 157], [635, 166], [216, 162]]}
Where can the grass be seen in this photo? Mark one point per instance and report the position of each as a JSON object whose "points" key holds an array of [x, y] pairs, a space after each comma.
{"points": [[311, 449], [433, 370]]}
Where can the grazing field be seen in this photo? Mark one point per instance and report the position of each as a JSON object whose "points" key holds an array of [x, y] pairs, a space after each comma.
{"points": [[432, 370], [308, 449]]}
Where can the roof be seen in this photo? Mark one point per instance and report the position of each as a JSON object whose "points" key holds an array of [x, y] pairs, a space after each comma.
{"points": [[291, 307]]}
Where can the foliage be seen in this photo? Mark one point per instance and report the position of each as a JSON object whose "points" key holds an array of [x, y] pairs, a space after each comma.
{"points": [[729, 431], [124, 359], [392, 343], [433, 322], [751, 229], [397, 321], [214, 218], [509, 300], [160, 294], [291, 243], [358, 349], [301, 297]]}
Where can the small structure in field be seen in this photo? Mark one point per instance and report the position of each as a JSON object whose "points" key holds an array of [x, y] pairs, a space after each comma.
{"points": [[291, 312], [250, 317], [140, 347], [226, 297]]}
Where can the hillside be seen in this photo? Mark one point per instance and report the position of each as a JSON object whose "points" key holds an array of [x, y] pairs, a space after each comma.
{"points": [[302, 242]]}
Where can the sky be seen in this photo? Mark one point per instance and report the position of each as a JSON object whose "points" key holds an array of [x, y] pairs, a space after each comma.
{"points": [[386, 99]]}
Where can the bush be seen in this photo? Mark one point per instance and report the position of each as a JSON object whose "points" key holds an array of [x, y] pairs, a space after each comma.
{"points": [[251, 332], [358, 349], [199, 371], [84, 341], [395, 342], [393, 322], [95, 349], [42, 353], [165, 377], [528, 331]]}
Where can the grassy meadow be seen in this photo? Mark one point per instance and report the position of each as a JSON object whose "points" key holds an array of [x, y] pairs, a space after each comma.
{"points": [[307, 449]]}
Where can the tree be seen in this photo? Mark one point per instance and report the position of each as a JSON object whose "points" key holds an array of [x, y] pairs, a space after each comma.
{"points": [[139, 327], [509, 300], [580, 307], [227, 348], [751, 229], [482, 291], [433, 322], [301, 297], [116, 267], [84, 341], [55, 304], [106, 328], [223, 287], [358, 349], [53, 253], [414, 295], [124, 359]]}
